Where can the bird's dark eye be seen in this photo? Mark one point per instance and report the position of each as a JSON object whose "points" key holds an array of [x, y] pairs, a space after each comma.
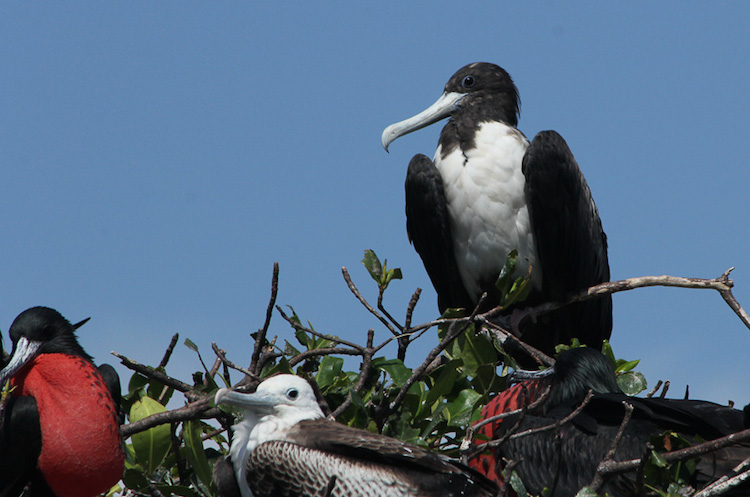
{"points": [[292, 393], [468, 82]]}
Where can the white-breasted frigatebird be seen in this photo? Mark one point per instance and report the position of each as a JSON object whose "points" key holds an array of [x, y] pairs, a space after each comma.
{"points": [[489, 191], [60, 434], [285, 448], [566, 458]]}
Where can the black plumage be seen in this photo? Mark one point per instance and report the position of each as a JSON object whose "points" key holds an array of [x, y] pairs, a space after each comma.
{"points": [[490, 191], [565, 459]]}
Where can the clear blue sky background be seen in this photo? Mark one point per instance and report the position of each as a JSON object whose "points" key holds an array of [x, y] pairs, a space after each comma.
{"points": [[156, 158]]}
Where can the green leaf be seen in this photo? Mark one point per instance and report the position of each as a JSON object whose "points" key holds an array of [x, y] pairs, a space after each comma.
{"points": [[389, 275], [373, 266], [155, 389], [135, 479], [152, 445], [624, 366], [395, 369], [631, 382], [608, 352], [197, 457], [137, 382], [658, 460], [303, 338], [444, 383], [461, 409], [290, 350], [475, 350], [329, 370], [505, 278], [517, 485], [191, 345]]}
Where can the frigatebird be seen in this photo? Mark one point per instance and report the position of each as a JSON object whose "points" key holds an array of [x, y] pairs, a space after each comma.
{"points": [[489, 191], [60, 433], [566, 458], [285, 448]]}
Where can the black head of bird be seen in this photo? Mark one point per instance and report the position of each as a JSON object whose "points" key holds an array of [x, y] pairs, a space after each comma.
{"points": [[61, 432]]}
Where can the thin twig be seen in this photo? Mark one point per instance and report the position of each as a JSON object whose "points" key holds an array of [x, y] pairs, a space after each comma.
{"points": [[469, 450], [332, 338], [200, 409], [222, 355], [324, 352], [154, 374], [654, 390], [613, 468], [453, 332], [168, 352], [503, 336], [557, 424], [664, 390], [598, 480], [366, 304], [741, 473], [410, 308], [260, 339], [364, 374]]}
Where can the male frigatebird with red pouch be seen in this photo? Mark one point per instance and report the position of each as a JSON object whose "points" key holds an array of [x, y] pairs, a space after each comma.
{"points": [[60, 433], [565, 459]]}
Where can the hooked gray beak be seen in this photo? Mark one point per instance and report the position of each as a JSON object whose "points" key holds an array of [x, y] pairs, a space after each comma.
{"points": [[442, 108], [256, 402], [522, 374], [23, 352]]}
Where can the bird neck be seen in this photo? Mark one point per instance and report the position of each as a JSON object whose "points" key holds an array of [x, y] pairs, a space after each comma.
{"points": [[490, 107]]}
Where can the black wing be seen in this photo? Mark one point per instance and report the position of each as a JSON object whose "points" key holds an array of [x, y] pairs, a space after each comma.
{"points": [[20, 446], [428, 227], [566, 459], [570, 243], [112, 381], [225, 478]]}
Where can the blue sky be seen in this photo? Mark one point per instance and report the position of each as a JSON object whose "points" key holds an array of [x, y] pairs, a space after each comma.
{"points": [[156, 158]]}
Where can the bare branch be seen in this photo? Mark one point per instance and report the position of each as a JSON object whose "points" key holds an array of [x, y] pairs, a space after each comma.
{"points": [[367, 306], [154, 374], [741, 473], [557, 424], [364, 374], [324, 352], [654, 390], [260, 339], [222, 356], [612, 468], [599, 479], [722, 284], [469, 450], [332, 338], [411, 306], [200, 409], [168, 352]]}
